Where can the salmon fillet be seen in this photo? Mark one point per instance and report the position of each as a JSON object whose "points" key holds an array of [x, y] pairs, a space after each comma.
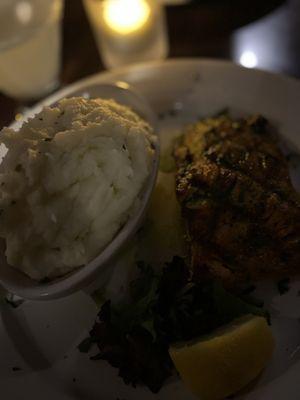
{"points": [[242, 213]]}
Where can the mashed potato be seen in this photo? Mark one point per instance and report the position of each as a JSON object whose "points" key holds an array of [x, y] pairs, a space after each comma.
{"points": [[68, 183]]}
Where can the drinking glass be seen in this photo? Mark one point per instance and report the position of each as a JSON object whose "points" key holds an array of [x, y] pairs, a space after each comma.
{"points": [[30, 47]]}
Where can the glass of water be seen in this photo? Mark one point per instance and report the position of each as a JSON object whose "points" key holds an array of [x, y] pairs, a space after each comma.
{"points": [[30, 47]]}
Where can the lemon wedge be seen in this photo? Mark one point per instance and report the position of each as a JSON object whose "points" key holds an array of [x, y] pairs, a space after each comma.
{"points": [[222, 363]]}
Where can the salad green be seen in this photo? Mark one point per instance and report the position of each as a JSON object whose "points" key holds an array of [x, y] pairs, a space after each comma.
{"points": [[163, 308]]}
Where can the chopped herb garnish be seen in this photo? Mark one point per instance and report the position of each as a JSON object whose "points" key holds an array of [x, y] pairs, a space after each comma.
{"points": [[85, 345], [248, 289], [11, 303], [283, 286], [220, 113], [294, 159], [173, 112], [236, 125], [255, 302], [48, 139], [259, 124], [13, 300], [45, 280], [197, 77], [18, 168]]}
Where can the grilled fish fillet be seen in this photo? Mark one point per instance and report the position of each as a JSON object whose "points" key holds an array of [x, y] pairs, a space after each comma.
{"points": [[241, 210]]}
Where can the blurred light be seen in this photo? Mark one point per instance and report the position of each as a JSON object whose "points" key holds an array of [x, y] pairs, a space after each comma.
{"points": [[122, 85], [18, 117], [248, 59], [126, 16], [24, 11]]}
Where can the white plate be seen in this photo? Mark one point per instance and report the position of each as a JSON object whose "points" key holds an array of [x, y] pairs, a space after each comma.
{"points": [[41, 338]]}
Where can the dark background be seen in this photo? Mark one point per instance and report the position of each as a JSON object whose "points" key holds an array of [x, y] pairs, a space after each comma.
{"points": [[202, 28]]}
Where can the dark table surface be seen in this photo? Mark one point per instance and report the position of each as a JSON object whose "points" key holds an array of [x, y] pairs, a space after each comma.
{"points": [[269, 28]]}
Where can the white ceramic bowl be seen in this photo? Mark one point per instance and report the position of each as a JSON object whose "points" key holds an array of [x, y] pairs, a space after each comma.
{"points": [[99, 269]]}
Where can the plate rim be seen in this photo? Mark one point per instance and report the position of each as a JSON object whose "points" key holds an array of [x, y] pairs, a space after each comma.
{"points": [[111, 76], [184, 60]]}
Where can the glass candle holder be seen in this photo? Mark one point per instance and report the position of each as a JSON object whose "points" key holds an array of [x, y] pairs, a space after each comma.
{"points": [[128, 31]]}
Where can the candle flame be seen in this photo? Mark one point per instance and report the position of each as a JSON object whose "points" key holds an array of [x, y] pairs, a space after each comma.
{"points": [[126, 16]]}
